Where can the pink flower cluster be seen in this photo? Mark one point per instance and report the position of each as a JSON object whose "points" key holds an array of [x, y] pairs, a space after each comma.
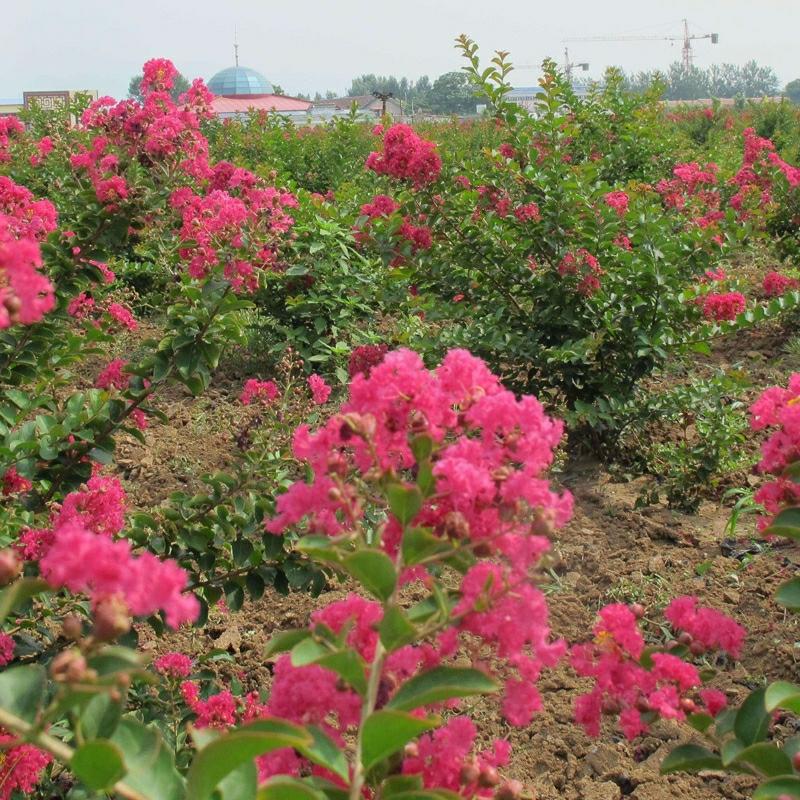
{"points": [[238, 225], [158, 75], [380, 206], [99, 507], [528, 212], [84, 306], [585, 267], [776, 284], [21, 766], [443, 759], [618, 201], [10, 128], [778, 408], [625, 687], [490, 450], [708, 628], [365, 357], [156, 130], [262, 391], [693, 191], [406, 156], [320, 391], [419, 235], [174, 665], [722, 306], [113, 376], [84, 562], [26, 295], [14, 483], [7, 647]]}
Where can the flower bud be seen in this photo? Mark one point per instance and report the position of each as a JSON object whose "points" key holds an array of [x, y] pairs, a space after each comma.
{"points": [[10, 566], [685, 639], [111, 619], [70, 666], [796, 761], [688, 705], [411, 750], [456, 525], [697, 648], [510, 790], [489, 777], [470, 772], [72, 627], [638, 610]]}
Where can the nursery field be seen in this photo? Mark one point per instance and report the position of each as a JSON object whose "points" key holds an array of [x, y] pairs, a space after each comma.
{"points": [[406, 462]]}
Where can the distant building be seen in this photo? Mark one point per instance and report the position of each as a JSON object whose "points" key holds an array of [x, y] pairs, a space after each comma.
{"points": [[239, 90], [525, 96], [367, 105], [47, 101], [10, 107]]}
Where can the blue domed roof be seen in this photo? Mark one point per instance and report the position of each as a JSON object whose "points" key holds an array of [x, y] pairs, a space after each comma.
{"points": [[239, 81]]}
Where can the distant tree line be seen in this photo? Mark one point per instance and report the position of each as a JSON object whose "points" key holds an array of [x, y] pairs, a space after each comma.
{"points": [[450, 93], [718, 80]]}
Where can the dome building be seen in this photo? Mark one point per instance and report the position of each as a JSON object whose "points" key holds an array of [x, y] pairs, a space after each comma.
{"points": [[239, 90], [235, 81]]}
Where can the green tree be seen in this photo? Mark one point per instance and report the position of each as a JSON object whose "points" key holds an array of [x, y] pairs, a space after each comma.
{"points": [[792, 90], [452, 93], [180, 85]]}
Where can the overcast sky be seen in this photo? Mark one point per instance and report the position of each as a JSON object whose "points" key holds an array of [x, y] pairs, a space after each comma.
{"points": [[310, 45]]}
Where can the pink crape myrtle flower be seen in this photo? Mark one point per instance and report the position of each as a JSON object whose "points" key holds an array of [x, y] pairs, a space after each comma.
{"points": [[84, 562], [722, 306], [174, 665], [618, 201], [320, 391], [21, 767], [406, 156], [255, 390]]}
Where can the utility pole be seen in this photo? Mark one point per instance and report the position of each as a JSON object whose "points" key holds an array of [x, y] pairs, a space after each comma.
{"points": [[236, 46]]}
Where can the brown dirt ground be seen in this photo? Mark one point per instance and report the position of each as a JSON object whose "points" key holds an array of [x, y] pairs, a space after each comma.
{"points": [[608, 552]]}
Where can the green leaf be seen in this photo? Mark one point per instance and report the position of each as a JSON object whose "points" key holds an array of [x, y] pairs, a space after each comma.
{"points": [[786, 523], [440, 684], [100, 716], [782, 694], [325, 752], [349, 666], [788, 594], [396, 784], [98, 764], [419, 544], [241, 784], [690, 758], [765, 758], [395, 629], [700, 722], [18, 592], [223, 755], [284, 788], [149, 762], [286, 640], [775, 787], [374, 570], [22, 690], [386, 732], [752, 719], [404, 501]]}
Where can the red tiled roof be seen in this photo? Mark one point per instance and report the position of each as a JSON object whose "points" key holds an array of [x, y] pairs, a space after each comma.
{"points": [[258, 102]]}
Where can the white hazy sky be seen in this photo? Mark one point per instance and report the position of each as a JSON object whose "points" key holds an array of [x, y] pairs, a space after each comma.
{"points": [[309, 45]]}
